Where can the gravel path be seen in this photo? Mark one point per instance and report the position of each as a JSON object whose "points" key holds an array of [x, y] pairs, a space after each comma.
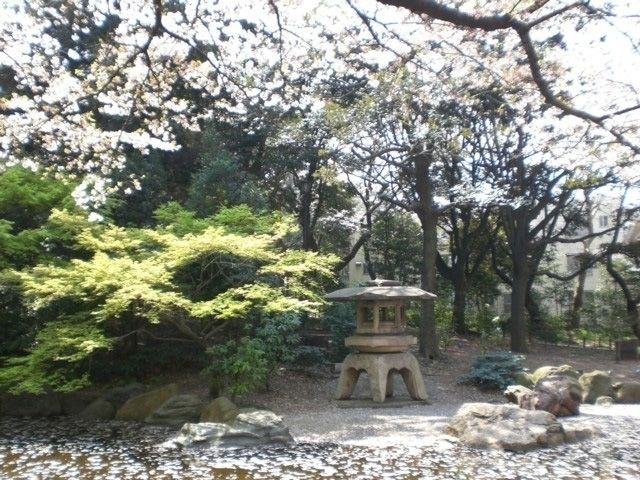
{"points": [[420, 425], [70, 449]]}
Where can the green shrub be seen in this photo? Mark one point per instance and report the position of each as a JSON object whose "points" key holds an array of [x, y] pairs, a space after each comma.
{"points": [[340, 321], [494, 370], [237, 367], [309, 356], [551, 328], [443, 311], [243, 365]]}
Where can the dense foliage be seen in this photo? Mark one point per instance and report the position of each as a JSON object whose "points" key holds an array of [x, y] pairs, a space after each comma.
{"points": [[228, 286]]}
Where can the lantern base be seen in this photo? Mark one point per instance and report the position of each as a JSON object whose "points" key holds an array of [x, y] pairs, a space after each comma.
{"points": [[380, 368], [380, 343]]}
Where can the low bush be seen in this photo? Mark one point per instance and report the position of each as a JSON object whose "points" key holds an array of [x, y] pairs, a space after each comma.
{"points": [[494, 370]]}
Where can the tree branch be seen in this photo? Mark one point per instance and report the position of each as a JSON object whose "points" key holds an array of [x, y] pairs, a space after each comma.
{"points": [[489, 23]]}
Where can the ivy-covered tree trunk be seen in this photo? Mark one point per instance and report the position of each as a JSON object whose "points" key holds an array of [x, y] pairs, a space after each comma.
{"points": [[517, 226], [428, 335]]}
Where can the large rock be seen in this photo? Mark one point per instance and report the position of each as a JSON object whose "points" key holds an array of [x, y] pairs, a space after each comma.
{"points": [[100, 409], [595, 384], [524, 379], [75, 402], [220, 410], [522, 396], [177, 411], [548, 371], [140, 407], [627, 392], [259, 427], [558, 395], [118, 396], [28, 405], [507, 427], [604, 401]]}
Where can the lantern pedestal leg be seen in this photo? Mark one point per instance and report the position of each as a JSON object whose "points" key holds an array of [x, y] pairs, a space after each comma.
{"points": [[379, 368], [389, 385]]}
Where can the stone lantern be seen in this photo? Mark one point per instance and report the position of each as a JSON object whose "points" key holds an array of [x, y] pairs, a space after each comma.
{"points": [[381, 341]]}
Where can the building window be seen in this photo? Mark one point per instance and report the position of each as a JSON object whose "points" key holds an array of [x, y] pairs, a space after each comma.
{"points": [[604, 221], [573, 263]]}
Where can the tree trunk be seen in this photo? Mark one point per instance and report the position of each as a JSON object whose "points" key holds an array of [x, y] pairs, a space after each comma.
{"points": [[517, 321], [573, 322], [305, 208], [459, 305], [633, 317], [371, 268], [428, 332], [578, 294], [533, 309], [428, 338]]}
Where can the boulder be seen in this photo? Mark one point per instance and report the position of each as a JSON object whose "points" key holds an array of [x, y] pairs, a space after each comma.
{"points": [[524, 379], [548, 371], [627, 392], [99, 409], [259, 427], [177, 410], [604, 401], [522, 396], [220, 410], [138, 408], [595, 384], [558, 395], [507, 427], [75, 402], [30, 405], [117, 396]]}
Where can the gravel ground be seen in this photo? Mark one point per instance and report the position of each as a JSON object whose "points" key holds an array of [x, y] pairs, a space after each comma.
{"points": [[305, 398], [419, 425], [70, 449], [341, 443]]}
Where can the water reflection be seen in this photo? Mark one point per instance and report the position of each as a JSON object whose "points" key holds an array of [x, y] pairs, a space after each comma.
{"points": [[72, 449]]}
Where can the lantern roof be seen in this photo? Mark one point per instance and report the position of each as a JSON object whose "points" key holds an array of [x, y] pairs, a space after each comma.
{"points": [[380, 290]]}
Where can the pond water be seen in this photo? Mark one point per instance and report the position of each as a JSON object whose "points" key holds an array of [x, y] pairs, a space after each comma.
{"points": [[71, 449]]}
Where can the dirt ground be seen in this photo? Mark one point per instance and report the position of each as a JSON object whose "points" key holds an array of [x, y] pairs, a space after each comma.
{"points": [[296, 391]]}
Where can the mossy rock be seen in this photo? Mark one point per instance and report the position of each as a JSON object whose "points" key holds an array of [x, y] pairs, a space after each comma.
{"points": [[75, 402], [141, 406], [220, 410], [524, 379], [595, 384], [177, 411], [100, 409], [548, 371]]}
